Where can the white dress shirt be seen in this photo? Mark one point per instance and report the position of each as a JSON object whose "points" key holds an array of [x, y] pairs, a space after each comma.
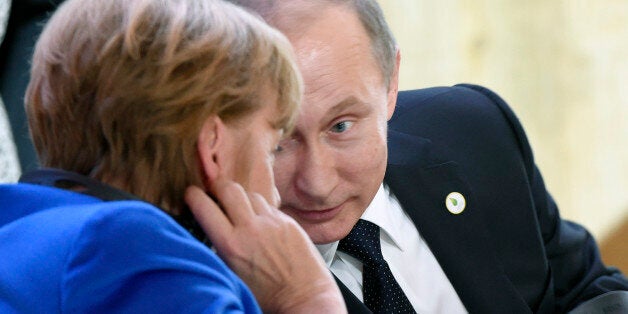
{"points": [[410, 259]]}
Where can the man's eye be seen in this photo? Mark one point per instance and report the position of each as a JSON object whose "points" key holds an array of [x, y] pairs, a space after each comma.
{"points": [[341, 126], [283, 145]]}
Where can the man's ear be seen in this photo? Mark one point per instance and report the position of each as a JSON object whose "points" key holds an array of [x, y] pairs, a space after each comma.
{"points": [[208, 146], [393, 87]]}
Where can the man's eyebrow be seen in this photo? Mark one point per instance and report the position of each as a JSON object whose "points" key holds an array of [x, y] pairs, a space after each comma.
{"points": [[342, 106]]}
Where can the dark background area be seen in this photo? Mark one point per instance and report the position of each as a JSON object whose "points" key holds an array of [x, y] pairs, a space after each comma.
{"points": [[26, 21]]}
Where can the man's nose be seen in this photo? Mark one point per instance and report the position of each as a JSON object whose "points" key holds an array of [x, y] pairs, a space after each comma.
{"points": [[317, 175]]}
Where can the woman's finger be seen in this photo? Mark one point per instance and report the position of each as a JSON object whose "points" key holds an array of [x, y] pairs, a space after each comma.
{"points": [[212, 219]]}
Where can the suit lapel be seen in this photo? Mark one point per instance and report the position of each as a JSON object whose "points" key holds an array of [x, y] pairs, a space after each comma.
{"points": [[354, 305], [421, 182]]}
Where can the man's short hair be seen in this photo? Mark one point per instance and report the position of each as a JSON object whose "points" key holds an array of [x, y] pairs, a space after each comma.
{"points": [[371, 16], [119, 89]]}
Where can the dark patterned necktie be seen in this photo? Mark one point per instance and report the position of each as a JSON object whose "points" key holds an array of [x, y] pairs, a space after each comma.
{"points": [[382, 293]]}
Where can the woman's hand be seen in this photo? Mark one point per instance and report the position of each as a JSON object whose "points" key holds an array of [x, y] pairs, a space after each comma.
{"points": [[267, 249]]}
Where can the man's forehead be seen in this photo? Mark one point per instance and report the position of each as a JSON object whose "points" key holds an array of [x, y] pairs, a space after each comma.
{"points": [[293, 15]]}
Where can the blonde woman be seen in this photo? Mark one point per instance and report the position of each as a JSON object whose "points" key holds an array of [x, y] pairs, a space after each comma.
{"points": [[132, 103]]}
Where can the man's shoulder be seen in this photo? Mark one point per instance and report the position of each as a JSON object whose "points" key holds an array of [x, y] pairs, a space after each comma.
{"points": [[461, 98], [460, 110], [465, 123]]}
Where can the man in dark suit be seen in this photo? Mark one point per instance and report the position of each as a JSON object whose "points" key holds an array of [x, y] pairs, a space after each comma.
{"points": [[430, 202]]}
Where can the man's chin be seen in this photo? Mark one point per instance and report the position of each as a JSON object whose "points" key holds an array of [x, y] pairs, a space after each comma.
{"points": [[325, 233]]}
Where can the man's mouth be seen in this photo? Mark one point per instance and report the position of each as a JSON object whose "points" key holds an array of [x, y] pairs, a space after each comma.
{"points": [[313, 215]]}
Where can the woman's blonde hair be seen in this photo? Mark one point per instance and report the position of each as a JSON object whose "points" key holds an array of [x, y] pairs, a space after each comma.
{"points": [[120, 88]]}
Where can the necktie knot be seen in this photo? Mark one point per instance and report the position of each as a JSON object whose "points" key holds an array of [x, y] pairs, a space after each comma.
{"points": [[363, 243], [381, 292]]}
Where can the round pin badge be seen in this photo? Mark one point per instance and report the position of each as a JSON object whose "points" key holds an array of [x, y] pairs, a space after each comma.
{"points": [[455, 203]]}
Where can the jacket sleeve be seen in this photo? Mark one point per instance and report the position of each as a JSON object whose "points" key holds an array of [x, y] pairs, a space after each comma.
{"points": [[577, 271], [130, 257]]}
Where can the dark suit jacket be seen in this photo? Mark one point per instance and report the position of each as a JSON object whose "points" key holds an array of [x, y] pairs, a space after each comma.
{"points": [[508, 251]]}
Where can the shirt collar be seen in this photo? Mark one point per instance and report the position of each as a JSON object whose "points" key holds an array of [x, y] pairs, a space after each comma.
{"points": [[328, 251], [384, 211]]}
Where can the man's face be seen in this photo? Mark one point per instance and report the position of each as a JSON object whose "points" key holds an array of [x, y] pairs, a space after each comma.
{"points": [[330, 168]]}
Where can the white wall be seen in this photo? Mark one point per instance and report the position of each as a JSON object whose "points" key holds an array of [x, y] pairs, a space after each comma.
{"points": [[563, 67]]}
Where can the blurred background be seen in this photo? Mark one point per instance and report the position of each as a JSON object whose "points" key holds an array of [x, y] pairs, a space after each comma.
{"points": [[563, 67]]}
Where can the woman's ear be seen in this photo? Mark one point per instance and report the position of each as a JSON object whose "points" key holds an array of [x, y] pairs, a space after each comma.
{"points": [[208, 146]]}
